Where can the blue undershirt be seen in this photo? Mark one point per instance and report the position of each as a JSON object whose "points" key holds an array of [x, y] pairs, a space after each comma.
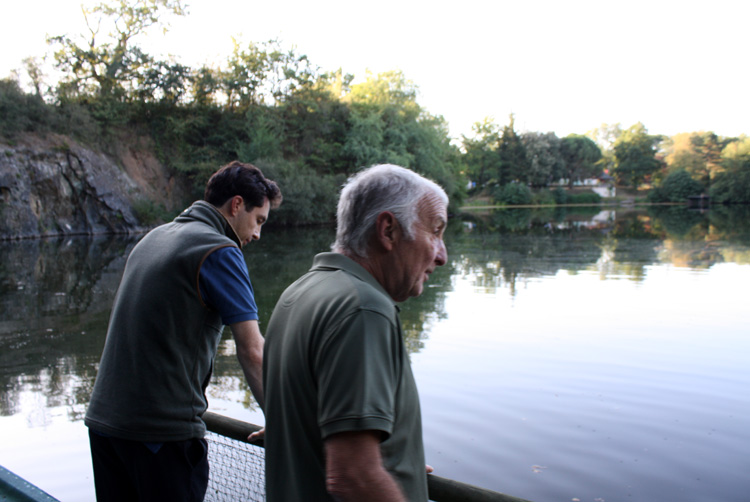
{"points": [[225, 286]]}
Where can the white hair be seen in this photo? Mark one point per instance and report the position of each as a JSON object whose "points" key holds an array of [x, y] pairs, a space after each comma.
{"points": [[380, 188]]}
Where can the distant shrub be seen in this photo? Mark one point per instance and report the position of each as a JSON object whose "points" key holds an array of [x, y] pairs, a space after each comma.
{"points": [[149, 213], [677, 187], [21, 112], [513, 194], [560, 195], [584, 198], [733, 185], [544, 198]]}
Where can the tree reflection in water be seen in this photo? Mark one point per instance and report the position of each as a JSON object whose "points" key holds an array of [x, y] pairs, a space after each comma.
{"points": [[56, 295]]}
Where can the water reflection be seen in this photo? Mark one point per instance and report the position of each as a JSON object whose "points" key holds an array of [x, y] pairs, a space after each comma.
{"points": [[56, 295], [506, 247]]}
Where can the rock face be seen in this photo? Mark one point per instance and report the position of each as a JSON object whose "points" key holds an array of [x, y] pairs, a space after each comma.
{"points": [[54, 186]]}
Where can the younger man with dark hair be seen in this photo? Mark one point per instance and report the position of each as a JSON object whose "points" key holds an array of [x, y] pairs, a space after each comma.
{"points": [[182, 283]]}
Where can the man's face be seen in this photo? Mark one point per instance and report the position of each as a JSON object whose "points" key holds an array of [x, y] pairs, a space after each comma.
{"points": [[247, 223], [415, 260]]}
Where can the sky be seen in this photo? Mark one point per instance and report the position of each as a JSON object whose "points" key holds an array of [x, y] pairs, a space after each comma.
{"points": [[562, 66]]}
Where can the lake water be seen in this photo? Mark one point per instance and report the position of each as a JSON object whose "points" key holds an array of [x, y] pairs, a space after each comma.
{"points": [[597, 356]]}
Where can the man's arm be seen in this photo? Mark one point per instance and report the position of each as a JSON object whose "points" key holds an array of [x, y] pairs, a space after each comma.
{"points": [[249, 344], [355, 471]]}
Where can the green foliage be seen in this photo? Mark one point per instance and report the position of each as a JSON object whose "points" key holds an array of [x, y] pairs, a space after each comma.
{"points": [[264, 74], [105, 63], [513, 164], [635, 155], [699, 153], [544, 155], [511, 220], [309, 198], [481, 159], [677, 187], [733, 185], [272, 106], [560, 195], [150, 213], [314, 125], [677, 221], [544, 198], [264, 132], [513, 194], [21, 112], [584, 198], [580, 156]]}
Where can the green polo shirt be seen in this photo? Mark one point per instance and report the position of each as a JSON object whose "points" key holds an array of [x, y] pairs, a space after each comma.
{"points": [[335, 361]]}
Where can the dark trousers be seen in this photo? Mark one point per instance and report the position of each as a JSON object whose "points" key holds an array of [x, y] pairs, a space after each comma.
{"points": [[128, 471]]}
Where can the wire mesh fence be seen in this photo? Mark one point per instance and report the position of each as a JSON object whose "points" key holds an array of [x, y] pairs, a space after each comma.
{"points": [[237, 470]]}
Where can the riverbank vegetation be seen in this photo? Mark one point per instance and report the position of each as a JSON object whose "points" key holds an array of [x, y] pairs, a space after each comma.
{"points": [[309, 128]]}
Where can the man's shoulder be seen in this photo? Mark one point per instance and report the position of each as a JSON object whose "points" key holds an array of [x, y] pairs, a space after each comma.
{"points": [[349, 292], [350, 277]]}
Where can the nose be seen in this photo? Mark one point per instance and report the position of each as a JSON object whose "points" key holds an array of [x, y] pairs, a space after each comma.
{"points": [[256, 234], [441, 258]]}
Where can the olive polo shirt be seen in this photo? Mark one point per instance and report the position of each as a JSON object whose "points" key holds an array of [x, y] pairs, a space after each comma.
{"points": [[335, 361]]}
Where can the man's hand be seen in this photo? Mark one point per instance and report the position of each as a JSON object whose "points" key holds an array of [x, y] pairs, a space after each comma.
{"points": [[257, 435]]}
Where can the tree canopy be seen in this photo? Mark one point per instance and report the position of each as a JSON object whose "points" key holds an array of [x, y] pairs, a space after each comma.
{"points": [[581, 156], [636, 155], [271, 105]]}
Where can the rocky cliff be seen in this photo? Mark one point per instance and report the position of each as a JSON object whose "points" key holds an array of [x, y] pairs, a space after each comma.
{"points": [[54, 186]]}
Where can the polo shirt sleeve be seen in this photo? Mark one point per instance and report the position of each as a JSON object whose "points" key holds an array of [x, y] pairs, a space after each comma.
{"points": [[225, 286], [357, 371]]}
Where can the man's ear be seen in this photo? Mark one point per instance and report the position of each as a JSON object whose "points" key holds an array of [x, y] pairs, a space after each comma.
{"points": [[236, 204], [387, 230]]}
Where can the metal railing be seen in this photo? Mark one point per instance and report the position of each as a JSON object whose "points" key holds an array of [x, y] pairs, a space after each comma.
{"points": [[440, 489]]}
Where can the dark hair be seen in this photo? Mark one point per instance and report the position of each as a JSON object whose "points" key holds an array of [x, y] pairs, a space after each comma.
{"points": [[245, 180]]}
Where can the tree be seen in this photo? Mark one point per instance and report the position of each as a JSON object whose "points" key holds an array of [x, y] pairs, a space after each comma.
{"points": [[680, 153], [481, 158], [103, 66], [513, 165], [162, 82], [264, 74], [315, 123], [544, 156], [383, 109], [605, 136], [677, 187], [709, 147], [635, 155], [699, 153], [580, 155], [204, 83], [732, 184]]}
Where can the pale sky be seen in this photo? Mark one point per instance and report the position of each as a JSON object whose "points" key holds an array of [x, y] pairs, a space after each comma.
{"points": [[565, 66]]}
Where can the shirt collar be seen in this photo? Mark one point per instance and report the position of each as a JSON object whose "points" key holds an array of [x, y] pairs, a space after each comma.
{"points": [[337, 261]]}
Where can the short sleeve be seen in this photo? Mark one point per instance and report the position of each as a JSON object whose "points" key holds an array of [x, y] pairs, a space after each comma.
{"points": [[225, 286], [357, 373]]}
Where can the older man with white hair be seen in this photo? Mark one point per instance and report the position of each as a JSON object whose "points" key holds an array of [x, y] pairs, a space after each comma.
{"points": [[342, 411]]}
